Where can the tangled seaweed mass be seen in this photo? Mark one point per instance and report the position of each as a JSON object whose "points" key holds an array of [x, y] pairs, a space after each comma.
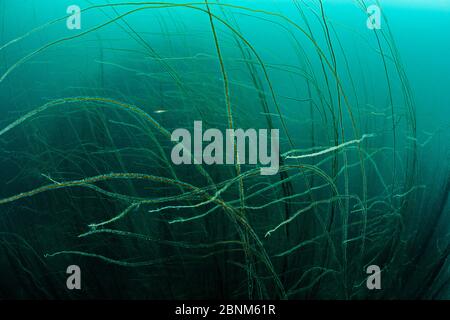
{"points": [[87, 113]]}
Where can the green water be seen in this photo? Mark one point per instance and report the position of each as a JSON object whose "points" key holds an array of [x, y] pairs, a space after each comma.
{"points": [[85, 151]]}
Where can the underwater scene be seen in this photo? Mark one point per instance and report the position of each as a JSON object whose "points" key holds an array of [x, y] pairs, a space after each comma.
{"points": [[225, 149]]}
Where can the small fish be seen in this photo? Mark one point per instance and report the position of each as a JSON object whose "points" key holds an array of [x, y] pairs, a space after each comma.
{"points": [[160, 111]]}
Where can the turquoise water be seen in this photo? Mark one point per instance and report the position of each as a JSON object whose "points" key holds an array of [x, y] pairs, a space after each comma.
{"points": [[87, 177]]}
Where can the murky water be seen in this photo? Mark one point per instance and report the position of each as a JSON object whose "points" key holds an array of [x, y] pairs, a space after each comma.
{"points": [[90, 101]]}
